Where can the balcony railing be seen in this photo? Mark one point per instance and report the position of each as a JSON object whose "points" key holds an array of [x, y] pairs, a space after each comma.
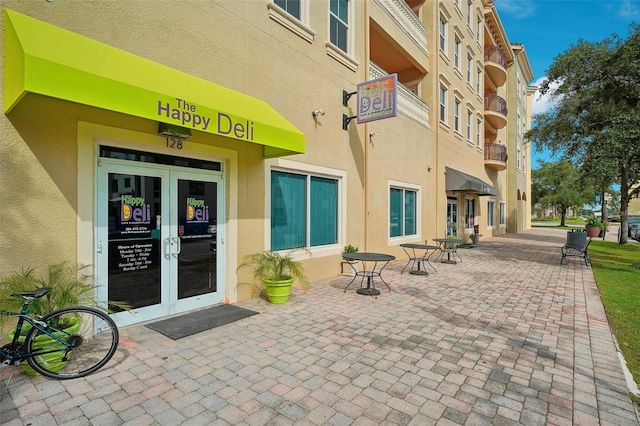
{"points": [[407, 20], [409, 103], [495, 152], [494, 54], [495, 103]]}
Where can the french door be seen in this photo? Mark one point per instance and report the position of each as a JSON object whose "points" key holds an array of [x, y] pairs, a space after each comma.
{"points": [[452, 216], [159, 239]]}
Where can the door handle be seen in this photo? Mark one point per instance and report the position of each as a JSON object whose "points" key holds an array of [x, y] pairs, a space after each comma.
{"points": [[179, 244], [165, 247]]}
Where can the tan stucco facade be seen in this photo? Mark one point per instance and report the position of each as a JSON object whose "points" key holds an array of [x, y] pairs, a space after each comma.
{"points": [[50, 152]]}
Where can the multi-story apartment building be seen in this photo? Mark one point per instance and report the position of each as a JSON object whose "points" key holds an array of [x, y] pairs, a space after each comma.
{"points": [[162, 144]]}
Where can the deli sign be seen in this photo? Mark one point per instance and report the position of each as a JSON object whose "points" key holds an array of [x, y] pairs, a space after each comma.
{"points": [[377, 99]]}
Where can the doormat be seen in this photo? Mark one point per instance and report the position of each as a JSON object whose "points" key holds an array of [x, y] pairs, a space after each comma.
{"points": [[185, 325]]}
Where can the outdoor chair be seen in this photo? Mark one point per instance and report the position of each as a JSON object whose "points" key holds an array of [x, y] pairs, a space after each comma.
{"points": [[570, 249]]}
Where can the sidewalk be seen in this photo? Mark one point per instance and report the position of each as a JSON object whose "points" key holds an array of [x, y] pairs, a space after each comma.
{"points": [[508, 336]]}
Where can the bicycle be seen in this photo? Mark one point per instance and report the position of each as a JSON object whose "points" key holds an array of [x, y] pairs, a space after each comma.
{"points": [[65, 344]]}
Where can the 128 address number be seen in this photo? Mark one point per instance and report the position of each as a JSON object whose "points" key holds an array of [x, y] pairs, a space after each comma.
{"points": [[174, 143]]}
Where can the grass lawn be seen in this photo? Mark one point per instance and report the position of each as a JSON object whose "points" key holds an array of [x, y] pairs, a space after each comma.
{"points": [[617, 271]]}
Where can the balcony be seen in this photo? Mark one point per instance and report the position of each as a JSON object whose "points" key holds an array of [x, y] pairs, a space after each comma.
{"points": [[495, 110], [409, 103], [495, 156], [407, 20], [495, 64]]}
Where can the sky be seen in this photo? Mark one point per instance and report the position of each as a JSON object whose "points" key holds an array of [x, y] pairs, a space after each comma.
{"points": [[548, 28]]}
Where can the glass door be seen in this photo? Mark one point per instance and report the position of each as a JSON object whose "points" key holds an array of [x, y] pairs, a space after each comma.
{"points": [[197, 207], [158, 231], [452, 216]]}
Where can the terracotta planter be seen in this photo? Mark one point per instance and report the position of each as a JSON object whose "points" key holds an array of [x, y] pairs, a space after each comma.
{"points": [[593, 231]]}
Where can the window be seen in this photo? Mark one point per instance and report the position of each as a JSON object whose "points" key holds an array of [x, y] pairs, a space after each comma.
{"points": [[443, 34], [291, 6], [443, 104], [469, 213], [456, 53], [491, 205], [479, 81], [502, 213], [402, 212], [518, 124], [456, 115], [294, 16], [304, 210], [469, 6], [478, 28], [518, 165], [479, 133], [339, 23], [469, 68], [469, 124]]}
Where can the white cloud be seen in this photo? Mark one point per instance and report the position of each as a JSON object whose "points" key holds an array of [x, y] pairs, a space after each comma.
{"points": [[629, 10], [540, 103], [517, 9]]}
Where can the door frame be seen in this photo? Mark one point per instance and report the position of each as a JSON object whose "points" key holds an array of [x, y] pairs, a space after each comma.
{"points": [[169, 304]]}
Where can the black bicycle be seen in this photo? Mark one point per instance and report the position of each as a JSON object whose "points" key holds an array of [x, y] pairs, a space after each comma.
{"points": [[65, 344]]}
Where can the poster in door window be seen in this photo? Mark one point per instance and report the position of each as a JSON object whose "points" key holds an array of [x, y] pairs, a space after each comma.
{"points": [[134, 239], [197, 229]]}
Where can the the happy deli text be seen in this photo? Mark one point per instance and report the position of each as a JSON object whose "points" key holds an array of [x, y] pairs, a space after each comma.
{"points": [[188, 116]]}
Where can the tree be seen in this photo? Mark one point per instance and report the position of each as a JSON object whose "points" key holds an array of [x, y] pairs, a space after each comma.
{"points": [[559, 184], [595, 118]]}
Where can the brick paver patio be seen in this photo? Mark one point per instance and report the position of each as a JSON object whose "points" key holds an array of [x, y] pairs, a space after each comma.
{"points": [[508, 336]]}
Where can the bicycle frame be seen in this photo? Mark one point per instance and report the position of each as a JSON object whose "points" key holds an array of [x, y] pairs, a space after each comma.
{"points": [[13, 352]]}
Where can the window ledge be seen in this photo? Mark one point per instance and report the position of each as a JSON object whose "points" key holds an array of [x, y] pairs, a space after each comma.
{"points": [[290, 22], [339, 55]]}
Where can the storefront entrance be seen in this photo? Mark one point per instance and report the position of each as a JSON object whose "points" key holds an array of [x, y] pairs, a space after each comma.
{"points": [[159, 233]]}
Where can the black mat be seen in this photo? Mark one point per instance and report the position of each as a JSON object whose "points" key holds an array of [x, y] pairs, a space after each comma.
{"points": [[185, 325]]}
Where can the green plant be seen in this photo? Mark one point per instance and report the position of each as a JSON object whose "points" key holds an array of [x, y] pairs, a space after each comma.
{"points": [[594, 221], [274, 266], [350, 249], [70, 286]]}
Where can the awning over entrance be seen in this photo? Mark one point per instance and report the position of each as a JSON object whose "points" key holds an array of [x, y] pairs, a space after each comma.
{"points": [[458, 181], [43, 59]]}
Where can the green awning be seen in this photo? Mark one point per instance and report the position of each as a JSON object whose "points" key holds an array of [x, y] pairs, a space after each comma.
{"points": [[43, 59]]}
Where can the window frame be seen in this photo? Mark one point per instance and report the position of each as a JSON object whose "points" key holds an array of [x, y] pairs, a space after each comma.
{"points": [[491, 206], [346, 24], [404, 187], [289, 166], [443, 96], [469, 220], [457, 104], [457, 46], [345, 57], [299, 26], [443, 29], [502, 216]]}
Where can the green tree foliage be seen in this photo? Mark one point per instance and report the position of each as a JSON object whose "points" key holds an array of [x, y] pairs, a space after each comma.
{"points": [[595, 118], [559, 184]]}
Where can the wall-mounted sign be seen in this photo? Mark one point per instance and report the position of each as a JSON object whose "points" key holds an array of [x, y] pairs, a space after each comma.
{"points": [[377, 99]]}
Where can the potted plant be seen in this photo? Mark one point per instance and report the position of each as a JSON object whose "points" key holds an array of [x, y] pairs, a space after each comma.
{"points": [[70, 286], [276, 272], [593, 226], [475, 238], [349, 266]]}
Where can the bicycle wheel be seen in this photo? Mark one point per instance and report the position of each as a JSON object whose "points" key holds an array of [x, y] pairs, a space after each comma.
{"points": [[88, 338]]}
